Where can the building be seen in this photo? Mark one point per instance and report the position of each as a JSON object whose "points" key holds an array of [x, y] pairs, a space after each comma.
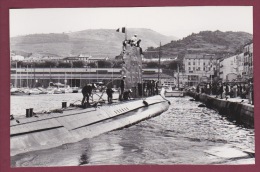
{"points": [[229, 68], [240, 61], [162, 59], [16, 57], [248, 61], [94, 59], [75, 58], [75, 76], [200, 68]]}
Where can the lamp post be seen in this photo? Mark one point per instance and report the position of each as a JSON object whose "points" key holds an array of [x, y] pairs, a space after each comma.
{"points": [[159, 65], [97, 70]]}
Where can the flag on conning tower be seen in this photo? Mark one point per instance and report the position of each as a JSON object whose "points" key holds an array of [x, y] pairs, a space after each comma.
{"points": [[121, 30]]}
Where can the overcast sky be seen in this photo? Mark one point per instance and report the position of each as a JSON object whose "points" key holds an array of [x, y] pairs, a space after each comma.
{"points": [[171, 21]]}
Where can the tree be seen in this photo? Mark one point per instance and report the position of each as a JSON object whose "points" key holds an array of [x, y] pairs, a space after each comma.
{"points": [[64, 65], [174, 65], [51, 64], [152, 65], [92, 65], [104, 64], [78, 64]]}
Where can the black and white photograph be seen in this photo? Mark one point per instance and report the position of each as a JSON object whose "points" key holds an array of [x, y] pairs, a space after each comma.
{"points": [[131, 86]]}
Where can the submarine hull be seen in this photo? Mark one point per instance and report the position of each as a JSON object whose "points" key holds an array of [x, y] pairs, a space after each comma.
{"points": [[74, 123]]}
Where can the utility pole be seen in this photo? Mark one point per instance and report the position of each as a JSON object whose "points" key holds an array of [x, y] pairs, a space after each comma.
{"points": [[50, 75], [178, 76], [16, 75], [20, 76], [34, 75], [159, 65], [27, 78]]}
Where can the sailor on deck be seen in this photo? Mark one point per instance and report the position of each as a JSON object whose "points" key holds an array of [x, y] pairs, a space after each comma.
{"points": [[86, 92], [122, 87], [109, 92]]}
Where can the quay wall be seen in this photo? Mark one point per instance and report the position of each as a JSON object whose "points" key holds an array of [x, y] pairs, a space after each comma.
{"points": [[241, 113]]}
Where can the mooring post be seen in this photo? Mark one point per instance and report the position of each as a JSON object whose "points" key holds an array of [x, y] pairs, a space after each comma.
{"points": [[31, 112], [64, 104], [27, 113]]}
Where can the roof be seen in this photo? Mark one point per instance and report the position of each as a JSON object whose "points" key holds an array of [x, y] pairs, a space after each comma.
{"points": [[199, 56]]}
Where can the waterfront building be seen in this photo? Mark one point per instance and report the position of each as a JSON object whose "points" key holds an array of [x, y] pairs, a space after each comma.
{"points": [[229, 68], [240, 61], [16, 57], [248, 61], [200, 68], [94, 59], [75, 76], [76, 58], [162, 59]]}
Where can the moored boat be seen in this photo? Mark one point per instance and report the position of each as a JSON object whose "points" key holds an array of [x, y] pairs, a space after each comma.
{"points": [[169, 92], [75, 89], [18, 92]]}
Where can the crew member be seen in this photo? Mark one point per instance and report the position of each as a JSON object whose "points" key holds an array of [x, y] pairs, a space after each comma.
{"points": [[134, 40], [127, 94], [122, 87], [109, 92], [86, 92]]}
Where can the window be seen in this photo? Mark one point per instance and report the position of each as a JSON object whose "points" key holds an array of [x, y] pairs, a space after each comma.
{"points": [[204, 63], [193, 68], [189, 63], [189, 68], [193, 63]]}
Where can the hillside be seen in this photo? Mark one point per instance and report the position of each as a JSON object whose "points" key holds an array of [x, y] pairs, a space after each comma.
{"points": [[95, 42], [219, 43]]}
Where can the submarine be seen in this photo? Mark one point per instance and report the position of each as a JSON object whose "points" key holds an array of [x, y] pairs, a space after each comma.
{"points": [[74, 123]]}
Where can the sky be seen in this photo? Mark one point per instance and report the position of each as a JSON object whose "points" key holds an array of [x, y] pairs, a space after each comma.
{"points": [[171, 21]]}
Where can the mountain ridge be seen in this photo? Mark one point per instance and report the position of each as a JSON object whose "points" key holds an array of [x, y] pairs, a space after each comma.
{"points": [[95, 42], [207, 42]]}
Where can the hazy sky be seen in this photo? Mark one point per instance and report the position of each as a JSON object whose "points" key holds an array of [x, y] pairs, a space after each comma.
{"points": [[174, 21]]}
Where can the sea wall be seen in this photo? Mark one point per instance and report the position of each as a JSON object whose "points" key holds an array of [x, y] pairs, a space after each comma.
{"points": [[241, 113]]}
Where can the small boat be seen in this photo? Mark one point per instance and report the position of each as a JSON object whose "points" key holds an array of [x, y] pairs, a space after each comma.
{"points": [[75, 89], [42, 90], [18, 92], [169, 92], [57, 91], [34, 91]]}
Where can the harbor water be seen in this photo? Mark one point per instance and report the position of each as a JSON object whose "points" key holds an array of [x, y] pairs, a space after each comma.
{"points": [[185, 134]]}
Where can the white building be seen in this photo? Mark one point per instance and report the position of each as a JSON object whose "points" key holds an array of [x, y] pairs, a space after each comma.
{"points": [[240, 61], [229, 68], [248, 60], [17, 57], [199, 68]]}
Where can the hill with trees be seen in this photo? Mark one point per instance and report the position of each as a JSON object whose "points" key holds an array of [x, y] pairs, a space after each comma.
{"points": [[217, 42]]}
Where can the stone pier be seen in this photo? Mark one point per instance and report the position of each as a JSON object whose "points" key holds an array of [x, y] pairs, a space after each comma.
{"points": [[241, 112]]}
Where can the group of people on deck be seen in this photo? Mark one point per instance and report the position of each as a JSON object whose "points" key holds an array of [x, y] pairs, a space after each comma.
{"points": [[124, 94], [134, 41], [146, 88]]}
